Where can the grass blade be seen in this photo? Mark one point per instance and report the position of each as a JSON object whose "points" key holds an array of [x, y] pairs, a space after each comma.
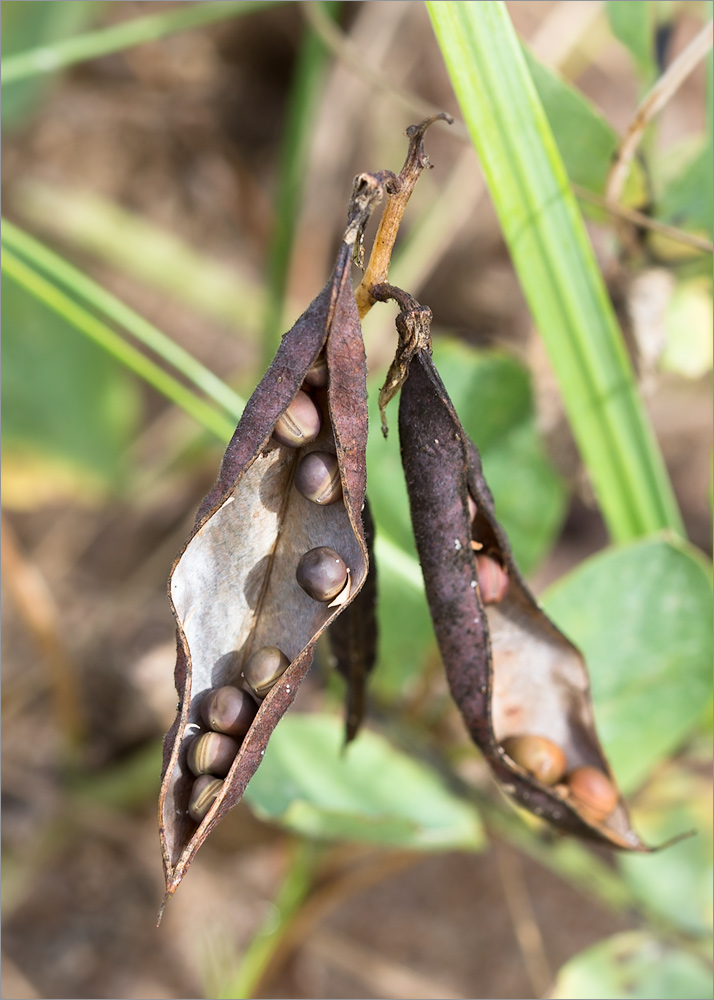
{"points": [[556, 266], [92, 44], [114, 344]]}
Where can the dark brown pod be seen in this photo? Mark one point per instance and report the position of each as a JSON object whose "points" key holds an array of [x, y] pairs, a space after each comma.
{"points": [[233, 588], [263, 668], [212, 753], [228, 710], [510, 670], [321, 573], [318, 478]]}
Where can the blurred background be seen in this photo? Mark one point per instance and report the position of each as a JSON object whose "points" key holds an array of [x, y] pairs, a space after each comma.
{"points": [[202, 177]]}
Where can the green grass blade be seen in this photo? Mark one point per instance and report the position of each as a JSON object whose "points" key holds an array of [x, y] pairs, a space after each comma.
{"points": [[63, 53], [114, 344], [556, 266], [93, 294]]}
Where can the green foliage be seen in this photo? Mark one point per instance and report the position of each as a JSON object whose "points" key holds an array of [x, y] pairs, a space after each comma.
{"points": [[371, 792], [632, 23]]}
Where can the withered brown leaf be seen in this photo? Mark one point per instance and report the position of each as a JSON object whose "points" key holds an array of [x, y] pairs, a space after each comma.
{"points": [[510, 670], [233, 588]]}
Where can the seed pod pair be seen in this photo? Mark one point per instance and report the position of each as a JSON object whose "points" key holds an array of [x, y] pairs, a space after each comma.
{"points": [[512, 673], [233, 588]]}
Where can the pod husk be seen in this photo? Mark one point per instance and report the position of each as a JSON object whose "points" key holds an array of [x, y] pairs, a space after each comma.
{"points": [[510, 670], [232, 588]]}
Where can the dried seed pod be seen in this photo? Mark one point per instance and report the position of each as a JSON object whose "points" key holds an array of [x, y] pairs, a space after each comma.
{"points": [[492, 579], [228, 710], [540, 757], [203, 794], [233, 588], [318, 478], [321, 573], [316, 375], [263, 668], [212, 753], [593, 791], [509, 668], [300, 423]]}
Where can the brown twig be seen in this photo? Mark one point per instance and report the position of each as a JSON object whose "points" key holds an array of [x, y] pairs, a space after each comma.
{"points": [[377, 269]]}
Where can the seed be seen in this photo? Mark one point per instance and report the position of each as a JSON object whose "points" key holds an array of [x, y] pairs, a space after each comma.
{"points": [[492, 580], [264, 667], [228, 710], [318, 478], [537, 755], [203, 795], [212, 753], [473, 509], [300, 423], [593, 791], [321, 573], [316, 375]]}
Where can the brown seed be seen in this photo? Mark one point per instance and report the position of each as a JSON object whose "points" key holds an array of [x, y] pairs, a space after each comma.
{"points": [[537, 755], [318, 478], [228, 710], [473, 509], [492, 580], [321, 573], [593, 791], [212, 753], [203, 795], [263, 668], [300, 424], [316, 375]]}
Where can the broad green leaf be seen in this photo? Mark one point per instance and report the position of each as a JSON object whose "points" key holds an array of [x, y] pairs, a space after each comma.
{"points": [[634, 966], [556, 265], [687, 200], [63, 397], [641, 615], [675, 882], [371, 792], [632, 23]]}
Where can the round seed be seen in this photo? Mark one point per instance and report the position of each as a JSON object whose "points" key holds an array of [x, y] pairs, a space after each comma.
{"points": [[228, 710], [321, 573], [492, 580], [540, 757], [212, 753], [203, 795], [263, 668], [593, 791], [318, 478], [300, 424], [316, 375]]}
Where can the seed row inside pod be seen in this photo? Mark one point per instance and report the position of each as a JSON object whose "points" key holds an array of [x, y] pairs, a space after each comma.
{"points": [[229, 711]]}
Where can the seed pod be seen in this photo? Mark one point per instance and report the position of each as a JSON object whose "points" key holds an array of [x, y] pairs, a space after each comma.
{"points": [[212, 753], [593, 791], [300, 423], [316, 375], [321, 573], [203, 794], [540, 757], [509, 668], [492, 580], [233, 587], [263, 668], [318, 478], [228, 710]]}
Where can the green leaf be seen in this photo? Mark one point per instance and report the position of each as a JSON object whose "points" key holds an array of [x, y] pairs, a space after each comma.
{"points": [[371, 792], [63, 397], [675, 882], [556, 265], [687, 200], [634, 966], [632, 23], [641, 615]]}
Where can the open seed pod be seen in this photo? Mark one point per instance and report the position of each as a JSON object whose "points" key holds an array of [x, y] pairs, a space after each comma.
{"points": [[510, 670], [233, 588]]}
